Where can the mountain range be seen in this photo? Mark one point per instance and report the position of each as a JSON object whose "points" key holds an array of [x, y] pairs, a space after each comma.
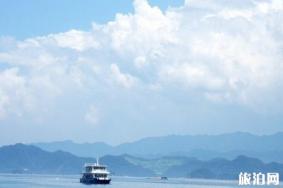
{"points": [[20, 158], [266, 147]]}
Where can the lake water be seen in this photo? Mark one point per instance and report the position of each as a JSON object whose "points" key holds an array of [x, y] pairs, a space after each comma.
{"points": [[53, 181]]}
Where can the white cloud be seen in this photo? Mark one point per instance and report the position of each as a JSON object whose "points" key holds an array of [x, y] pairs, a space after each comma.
{"points": [[12, 92], [142, 33], [77, 40], [192, 76], [125, 80], [229, 53], [269, 7], [140, 61]]}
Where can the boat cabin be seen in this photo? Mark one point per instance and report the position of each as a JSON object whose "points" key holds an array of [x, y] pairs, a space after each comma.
{"points": [[93, 167]]}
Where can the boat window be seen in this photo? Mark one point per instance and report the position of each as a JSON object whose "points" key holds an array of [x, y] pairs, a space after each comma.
{"points": [[98, 168], [88, 169], [100, 175]]}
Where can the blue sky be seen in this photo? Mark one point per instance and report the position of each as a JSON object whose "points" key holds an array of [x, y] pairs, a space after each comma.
{"points": [[118, 71], [23, 19]]}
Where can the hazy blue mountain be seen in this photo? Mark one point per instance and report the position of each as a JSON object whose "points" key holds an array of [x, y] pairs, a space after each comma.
{"points": [[267, 147], [222, 168], [219, 143], [86, 149], [213, 169], [119, 165], [30, 159], [22, 158]]}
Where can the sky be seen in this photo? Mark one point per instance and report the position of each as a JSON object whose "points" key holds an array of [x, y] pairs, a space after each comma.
{"points": [[118, 71]]}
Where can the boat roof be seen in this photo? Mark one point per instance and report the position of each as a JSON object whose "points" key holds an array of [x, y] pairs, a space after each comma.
{"points": [[94, 165]]}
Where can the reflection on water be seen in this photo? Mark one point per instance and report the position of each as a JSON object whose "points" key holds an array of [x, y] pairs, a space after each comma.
{"points": [[53, 181]]}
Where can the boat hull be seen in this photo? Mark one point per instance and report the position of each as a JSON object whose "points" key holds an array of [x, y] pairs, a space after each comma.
{"points": [[95, 181]]}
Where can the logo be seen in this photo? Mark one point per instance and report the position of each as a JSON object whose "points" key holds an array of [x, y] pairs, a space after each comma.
{"points": [[246, 178]]}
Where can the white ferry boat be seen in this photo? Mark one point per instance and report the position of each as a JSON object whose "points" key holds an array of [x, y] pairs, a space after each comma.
{"points": [[94, 173]]}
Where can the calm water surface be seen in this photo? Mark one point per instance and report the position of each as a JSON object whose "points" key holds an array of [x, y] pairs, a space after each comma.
{"points": [[52, 181]]}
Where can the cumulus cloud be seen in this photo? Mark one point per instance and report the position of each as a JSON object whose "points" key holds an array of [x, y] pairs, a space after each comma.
{"points": [[125, 80], [12, 89], [77, 40], [224, 52]]}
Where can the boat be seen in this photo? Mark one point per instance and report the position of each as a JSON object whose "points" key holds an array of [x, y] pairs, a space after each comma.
{"points": [[94, 173]]}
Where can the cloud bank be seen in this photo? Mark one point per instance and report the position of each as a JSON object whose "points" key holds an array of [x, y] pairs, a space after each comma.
{"points": [[217, 51]]}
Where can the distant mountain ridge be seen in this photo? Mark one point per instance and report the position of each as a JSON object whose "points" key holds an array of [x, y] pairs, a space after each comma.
{"points": [[267, 147], [22, 158]]}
